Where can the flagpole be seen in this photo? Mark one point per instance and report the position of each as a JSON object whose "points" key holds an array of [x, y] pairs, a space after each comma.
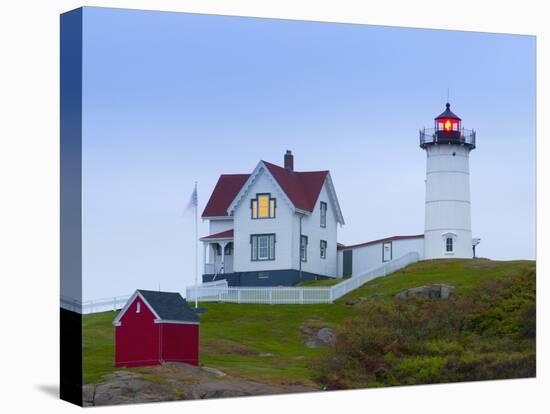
{"points": [[196, 246]]}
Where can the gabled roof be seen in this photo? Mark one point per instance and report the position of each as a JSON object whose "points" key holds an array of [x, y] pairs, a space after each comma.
{"points": [[302, 188], [166, 306], [392, 238], [228, 234], [227, 187]]}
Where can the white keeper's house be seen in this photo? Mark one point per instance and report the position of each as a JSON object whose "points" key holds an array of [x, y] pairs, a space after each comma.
{"points": [[277, 226]]}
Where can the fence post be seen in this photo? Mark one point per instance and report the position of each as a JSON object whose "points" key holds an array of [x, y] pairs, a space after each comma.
{"points": [[114, 304], [270, 297], [238, 295], [302, 295], [330, 295]]}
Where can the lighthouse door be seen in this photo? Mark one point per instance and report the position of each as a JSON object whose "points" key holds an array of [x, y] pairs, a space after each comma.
{"points": [[348, 263]]}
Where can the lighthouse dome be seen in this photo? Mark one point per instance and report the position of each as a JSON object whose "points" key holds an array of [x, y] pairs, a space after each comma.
{"points": [[447, 113]]}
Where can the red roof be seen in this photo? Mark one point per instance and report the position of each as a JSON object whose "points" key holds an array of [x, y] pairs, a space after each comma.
{"points": [[225, 191], [228, 234], [342, 247], [302, 188]]}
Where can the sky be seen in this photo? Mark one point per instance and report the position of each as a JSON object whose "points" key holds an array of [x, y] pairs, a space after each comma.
{"points": [[174, 98]]}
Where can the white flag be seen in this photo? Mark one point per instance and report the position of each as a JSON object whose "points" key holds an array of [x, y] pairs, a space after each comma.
{"points": [[193, 201]]}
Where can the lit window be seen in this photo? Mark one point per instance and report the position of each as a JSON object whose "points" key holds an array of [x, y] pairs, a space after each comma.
{"points": [[138, 307], [449, 244], [263, 206], [303, 248], [262, 247], [323, 249], [323, 214]]}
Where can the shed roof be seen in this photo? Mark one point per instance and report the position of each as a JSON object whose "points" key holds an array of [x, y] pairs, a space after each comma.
{"points": [[387, 239], [228, 234], [169, 306]]}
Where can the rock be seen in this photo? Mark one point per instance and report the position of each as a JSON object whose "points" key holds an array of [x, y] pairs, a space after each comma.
{"points": [[323, 337], [214, 371], [373, 286], [88, 394], [430, 292], [376, 295], [327, 336], [176, 381], [131, 391]]}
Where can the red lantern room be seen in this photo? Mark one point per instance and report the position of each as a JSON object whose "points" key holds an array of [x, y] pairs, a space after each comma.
{"points": [[448, 130], [447, 122]]}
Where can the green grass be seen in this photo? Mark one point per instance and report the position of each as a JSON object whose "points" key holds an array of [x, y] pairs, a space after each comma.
{"points": [[322, 282], [264, 342]]}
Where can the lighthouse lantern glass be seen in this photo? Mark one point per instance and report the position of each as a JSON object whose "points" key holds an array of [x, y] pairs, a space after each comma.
{"points": [[448, 124]]}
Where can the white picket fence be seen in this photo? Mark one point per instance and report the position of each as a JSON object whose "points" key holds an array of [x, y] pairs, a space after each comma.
{"points": [[219, 291], [294, 295]]}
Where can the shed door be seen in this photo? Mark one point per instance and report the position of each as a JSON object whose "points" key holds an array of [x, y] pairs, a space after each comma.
{"points": [[386, 252], [348, 263]]}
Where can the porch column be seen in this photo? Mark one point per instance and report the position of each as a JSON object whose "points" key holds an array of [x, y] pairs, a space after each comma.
{"points": [[204, 257], [223, 244]]}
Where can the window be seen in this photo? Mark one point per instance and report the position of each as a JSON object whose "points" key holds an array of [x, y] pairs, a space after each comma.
{"points": [[323, 214], [449, 245], [323, 249], [138, 307], [303, 248], [386, 251], [263, 206], [262, 247]]}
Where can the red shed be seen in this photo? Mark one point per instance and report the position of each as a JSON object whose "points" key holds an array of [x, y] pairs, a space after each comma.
{"points": [[154, 327]]}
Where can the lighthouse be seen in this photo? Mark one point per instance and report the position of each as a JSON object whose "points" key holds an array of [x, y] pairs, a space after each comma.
{"points": [[447, 225]]}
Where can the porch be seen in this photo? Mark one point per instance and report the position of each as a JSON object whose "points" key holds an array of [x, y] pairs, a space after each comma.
{"points": [[218, 253]]}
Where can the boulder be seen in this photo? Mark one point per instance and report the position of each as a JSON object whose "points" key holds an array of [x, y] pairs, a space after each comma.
{"points": [[323, 337], [430, 292]]}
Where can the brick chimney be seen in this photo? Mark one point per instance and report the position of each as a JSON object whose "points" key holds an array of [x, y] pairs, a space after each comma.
{"points": [[289, 160]]}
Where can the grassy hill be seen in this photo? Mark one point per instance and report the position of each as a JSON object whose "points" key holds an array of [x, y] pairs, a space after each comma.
{"points": [[267, 342]]}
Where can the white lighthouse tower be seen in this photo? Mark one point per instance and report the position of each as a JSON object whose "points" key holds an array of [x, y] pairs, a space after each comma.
{"points": [[447, 226]]}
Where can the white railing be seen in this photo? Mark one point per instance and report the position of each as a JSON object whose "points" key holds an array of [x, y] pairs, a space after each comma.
{"points": [[295, 295], [260, 295], [219, 291], [93, 306], [354, 282]]}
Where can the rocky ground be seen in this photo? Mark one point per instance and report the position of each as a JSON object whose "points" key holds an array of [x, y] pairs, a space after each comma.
{"points": [[175, 381]]}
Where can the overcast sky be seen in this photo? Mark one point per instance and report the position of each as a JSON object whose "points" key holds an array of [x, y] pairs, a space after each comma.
{"points": [[173, 98]]}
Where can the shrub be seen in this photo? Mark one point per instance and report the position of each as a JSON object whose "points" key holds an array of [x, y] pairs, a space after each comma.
{"points": [[488, 334]]}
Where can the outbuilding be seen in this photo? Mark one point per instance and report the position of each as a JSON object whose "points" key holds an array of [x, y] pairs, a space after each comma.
{"points": [[154, 327]]}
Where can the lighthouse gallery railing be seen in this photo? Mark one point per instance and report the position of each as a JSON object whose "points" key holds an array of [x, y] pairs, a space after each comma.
{"points": [[429, 136]]}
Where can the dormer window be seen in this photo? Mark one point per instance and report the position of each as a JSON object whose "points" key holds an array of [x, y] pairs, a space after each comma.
{"points": [[138, 307], [263, 206], [323, 208]]}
